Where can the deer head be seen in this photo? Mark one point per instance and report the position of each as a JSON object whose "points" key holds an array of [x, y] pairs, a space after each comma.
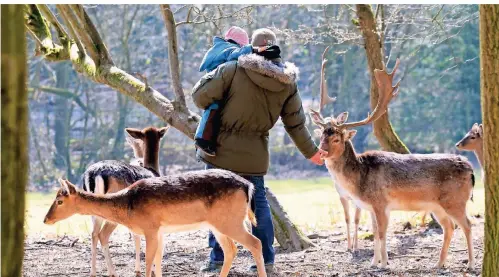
{"points": [[334, 131], [64, 203], [473, 140]]}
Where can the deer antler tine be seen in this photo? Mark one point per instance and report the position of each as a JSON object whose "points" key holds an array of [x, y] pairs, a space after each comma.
{"points": [[324, 96], [397, 62]]}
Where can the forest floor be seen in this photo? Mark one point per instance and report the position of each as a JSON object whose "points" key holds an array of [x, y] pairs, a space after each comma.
{"points": [[64, 249]]}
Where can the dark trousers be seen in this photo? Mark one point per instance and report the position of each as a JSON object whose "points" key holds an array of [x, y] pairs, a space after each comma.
{"points": [[208, 126], [264, 230]]}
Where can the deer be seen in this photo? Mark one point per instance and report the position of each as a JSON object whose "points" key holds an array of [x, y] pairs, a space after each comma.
{"points": [[381, 181], [215, 199], [110, 176], [473, 141]]}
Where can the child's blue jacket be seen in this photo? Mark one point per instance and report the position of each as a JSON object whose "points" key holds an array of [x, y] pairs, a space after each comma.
{"points": [[222, 52]]}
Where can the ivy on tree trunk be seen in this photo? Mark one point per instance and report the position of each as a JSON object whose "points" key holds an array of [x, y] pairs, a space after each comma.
{"points": [[14, 139]]}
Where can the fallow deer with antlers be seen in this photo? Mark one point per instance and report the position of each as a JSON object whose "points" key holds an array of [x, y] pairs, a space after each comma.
{"points": [[380, 181]]}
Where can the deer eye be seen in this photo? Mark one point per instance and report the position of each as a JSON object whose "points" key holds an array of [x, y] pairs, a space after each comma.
{"points": [[59, 202], [473, 137], [336, 141]]}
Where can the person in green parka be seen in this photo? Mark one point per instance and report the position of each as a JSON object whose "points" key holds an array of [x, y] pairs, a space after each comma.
{"points": [[255, 91]]}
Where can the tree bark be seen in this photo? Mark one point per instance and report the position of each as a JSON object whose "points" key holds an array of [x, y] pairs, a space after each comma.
{"points": [[383, 130], [14, 139], [489, 75], [61, 125], [173, 53]]}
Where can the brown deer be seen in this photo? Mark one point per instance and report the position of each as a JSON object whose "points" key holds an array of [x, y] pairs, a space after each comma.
{"points": [[217, 199], [380, 181], [473, 141], [111, 176]]}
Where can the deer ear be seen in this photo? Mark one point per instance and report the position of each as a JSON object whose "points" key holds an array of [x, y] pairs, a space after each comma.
{"points": [[162, 131], [135, 133], [71, 187], [480, 130], [318, 132], [316, 118], [64, 187], [350, 134], [340, 119]]}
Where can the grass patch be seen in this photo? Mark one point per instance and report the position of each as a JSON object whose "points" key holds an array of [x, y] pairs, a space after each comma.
{"points": [[312, 204]]}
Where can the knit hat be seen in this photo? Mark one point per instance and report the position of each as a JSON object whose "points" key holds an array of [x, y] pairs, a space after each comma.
{"points": [[263, 37], [238, 35]]}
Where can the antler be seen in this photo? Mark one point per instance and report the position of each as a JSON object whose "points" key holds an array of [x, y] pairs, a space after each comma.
{"points": [[324, 96], [386, 93], [325, 99]]}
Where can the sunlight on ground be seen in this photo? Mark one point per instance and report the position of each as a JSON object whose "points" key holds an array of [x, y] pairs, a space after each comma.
{"points": [[312, 204]]}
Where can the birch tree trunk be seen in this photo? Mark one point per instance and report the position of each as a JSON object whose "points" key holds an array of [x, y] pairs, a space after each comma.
{"points": [[14, 139], [489, 75]]}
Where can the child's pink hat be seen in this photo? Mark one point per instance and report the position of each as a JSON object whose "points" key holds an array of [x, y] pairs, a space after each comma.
{"points": [[238, 35]]}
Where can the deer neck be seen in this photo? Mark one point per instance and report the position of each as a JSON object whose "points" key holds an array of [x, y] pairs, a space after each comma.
{"points": [[346, 167], [151, 155], [479, 154], [105, 206]]}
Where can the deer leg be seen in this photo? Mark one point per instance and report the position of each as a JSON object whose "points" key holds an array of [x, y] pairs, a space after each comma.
{"points": [[104, 235], [97, 222], [230, 250], [239, 233], [460, 217], [423, 219], [448, 227], [344, 203], [376, 255], [136, 239], [355, 231], [382, 218], [151, 249], [159, 256]]}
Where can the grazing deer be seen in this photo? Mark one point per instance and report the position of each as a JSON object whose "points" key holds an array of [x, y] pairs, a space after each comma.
{"points": [[111, 176], [217, 199], [380, 181], [473, 141]]}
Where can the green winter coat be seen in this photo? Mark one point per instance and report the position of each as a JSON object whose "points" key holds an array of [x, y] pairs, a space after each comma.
{"points": [[255, 93]]}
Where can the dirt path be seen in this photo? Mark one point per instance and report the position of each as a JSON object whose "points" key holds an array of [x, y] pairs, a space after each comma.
{"points": [[411, 253]]}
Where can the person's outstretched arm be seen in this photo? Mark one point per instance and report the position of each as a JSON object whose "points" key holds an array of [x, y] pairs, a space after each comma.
{"points": [[212, 85], [294, 119], [236, 52]]}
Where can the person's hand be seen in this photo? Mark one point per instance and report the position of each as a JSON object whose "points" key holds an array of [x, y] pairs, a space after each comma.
{"points": [[318, 158], [261, 49]]}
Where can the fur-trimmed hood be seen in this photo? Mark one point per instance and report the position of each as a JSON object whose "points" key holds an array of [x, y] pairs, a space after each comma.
{"points": [[286, 75]]}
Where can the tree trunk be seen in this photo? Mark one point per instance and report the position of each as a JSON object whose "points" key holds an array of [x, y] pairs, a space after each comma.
{"points": [[489, 64], [14, 139], [383, 130], [287, 234], [62, 158], [173, 53]]}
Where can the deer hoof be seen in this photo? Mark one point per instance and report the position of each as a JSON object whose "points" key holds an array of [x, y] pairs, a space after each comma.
{"points": [[138, 274], [439, 265], [374, 263], [471, 264]]}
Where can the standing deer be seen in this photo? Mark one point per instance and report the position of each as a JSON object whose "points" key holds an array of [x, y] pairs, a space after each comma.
{"points": [[473, 141], [217, 199], [111, 176], [380, 181]]}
